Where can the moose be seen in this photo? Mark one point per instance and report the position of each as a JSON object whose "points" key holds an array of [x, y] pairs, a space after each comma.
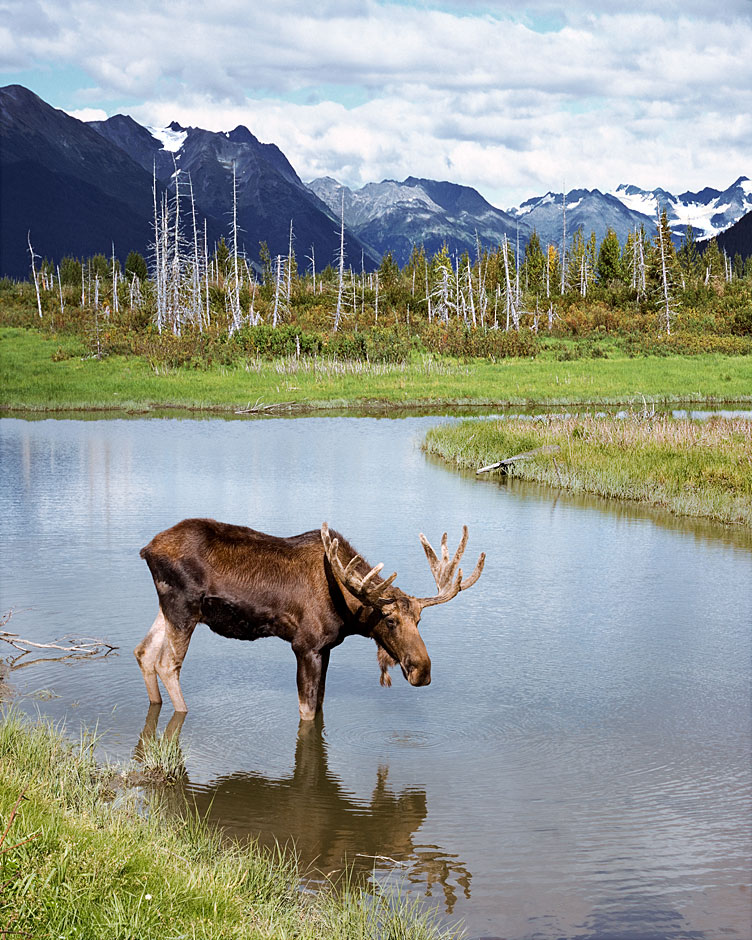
{"points": [[312, 590]]}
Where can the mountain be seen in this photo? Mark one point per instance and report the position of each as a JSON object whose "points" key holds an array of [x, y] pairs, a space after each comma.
{"points": [[738, 238], [78, 188], [394, 216], [708, 211], [589, 209], [269, 192], [61, 182]]}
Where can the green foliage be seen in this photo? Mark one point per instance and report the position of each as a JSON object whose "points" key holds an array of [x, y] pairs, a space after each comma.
{"points": [[99, 266], [70, 271], [712, 262], [222, 255], [609, 267], [534, 265], [688, 256], [136, 264]]}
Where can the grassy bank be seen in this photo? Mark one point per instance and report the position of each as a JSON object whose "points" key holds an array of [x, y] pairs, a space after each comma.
{"points": [[692, 468], [77, 861], [42, 373]]}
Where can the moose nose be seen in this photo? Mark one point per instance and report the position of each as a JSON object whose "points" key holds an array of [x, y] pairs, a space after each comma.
{"points": [[419, 675]]}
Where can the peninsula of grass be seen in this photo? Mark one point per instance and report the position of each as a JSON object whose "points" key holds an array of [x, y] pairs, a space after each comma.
{"points": [[48, 373], [76, 863], [691, 468]]}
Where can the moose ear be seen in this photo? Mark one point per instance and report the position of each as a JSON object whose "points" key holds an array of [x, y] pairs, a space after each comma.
{"points": [[385, 662]]}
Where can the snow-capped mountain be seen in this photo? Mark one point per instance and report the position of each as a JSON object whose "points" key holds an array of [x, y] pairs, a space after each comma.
{"points": [[394, 216], [709, 211], [588, 209]]}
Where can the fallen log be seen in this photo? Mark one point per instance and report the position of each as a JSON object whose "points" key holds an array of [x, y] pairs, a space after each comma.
{"points": [[509, 461]]}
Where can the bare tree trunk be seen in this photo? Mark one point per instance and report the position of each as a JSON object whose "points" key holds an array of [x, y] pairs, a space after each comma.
{"points": [[277, 286], [60, 288], [667, 312], [289, 266], [341, 281], [115, 300], [564, 238], [34, 276]]}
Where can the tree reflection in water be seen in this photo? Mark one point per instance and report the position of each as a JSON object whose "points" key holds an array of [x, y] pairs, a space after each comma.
{"points": [[312, 812]]}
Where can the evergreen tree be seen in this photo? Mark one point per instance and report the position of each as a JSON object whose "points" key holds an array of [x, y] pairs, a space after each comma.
{"points": [[70, 271], [222, 256], [136, 264], [609, 264], [534, 265], [688, 256], [712, 263], [99, 265], [265, 259]]}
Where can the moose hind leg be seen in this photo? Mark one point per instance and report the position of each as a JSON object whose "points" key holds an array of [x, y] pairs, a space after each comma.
{"points": [[170, 661], [147, 653]]}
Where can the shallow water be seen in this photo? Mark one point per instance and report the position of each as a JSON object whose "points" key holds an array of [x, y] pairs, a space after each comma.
{"points": [[579, 766]]}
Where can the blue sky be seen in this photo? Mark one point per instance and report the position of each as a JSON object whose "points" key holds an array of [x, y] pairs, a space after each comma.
{"points": [[511, 99]]}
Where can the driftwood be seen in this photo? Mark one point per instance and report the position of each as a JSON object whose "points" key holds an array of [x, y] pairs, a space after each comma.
{"points": [[82, 647], [510, 461], [260, 407]]}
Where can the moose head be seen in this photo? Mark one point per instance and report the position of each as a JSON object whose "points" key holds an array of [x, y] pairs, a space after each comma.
{"points": [[394, 616]]}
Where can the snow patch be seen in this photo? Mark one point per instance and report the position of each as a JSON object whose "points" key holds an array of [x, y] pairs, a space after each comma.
{"points": [[170, 140], [646, 203], [699, 217]]}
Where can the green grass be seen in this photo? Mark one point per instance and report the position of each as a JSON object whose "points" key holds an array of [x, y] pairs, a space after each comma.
{"points": [[79, 861], [40, 373], [692, 468]]}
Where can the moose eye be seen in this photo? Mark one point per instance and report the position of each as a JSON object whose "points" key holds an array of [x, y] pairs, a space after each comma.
{"points": [[390, 622]]}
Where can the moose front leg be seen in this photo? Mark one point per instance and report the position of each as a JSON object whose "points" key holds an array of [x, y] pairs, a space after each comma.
{"points": [[312, 666]]}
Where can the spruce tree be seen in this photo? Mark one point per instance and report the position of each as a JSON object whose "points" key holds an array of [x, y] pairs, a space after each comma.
{"points": [[609, 264], [534, 265]]}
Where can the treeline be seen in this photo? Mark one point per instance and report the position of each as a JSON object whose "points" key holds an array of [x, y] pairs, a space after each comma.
{"points": [[189, 305]]}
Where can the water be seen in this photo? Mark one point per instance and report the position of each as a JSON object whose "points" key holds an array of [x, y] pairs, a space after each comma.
{"points": [[579, 766]]}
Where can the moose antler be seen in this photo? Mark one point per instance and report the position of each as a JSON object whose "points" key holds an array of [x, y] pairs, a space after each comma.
{"points": [[364, 587], [443, 570]]}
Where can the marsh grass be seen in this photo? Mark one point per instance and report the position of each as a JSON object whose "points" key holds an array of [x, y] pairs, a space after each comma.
{"points": [[161, 759], [692, 468], [49, 374], [78, 863]]}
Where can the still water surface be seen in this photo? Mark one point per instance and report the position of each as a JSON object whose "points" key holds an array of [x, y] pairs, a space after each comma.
{"points": [[579, 766]]}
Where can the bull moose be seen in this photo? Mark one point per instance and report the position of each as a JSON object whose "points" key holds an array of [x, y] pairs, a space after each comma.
{"points": [[312, 590]]}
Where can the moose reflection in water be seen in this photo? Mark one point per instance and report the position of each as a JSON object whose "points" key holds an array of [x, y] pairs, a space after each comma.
{"points": [[311, 811], [312, 590]]}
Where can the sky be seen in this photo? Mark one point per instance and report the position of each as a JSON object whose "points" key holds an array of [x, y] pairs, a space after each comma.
{"points": [[512, 98]]}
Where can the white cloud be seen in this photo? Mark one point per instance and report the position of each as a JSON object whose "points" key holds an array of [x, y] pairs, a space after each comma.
{"points": [[89, 114], [510, 100]]}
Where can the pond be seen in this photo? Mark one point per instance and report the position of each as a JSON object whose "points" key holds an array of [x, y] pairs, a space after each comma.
{"points": [[579, 766]]}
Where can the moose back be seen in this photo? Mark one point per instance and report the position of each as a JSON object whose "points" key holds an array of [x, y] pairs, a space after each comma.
{"points": [[312, 590]]}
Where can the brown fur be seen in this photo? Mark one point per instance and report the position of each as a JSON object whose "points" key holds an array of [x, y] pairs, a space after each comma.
{"points": [[245, 584]]}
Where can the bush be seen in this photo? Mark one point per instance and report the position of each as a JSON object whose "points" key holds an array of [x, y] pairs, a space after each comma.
{"points": [[457, 339]]}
